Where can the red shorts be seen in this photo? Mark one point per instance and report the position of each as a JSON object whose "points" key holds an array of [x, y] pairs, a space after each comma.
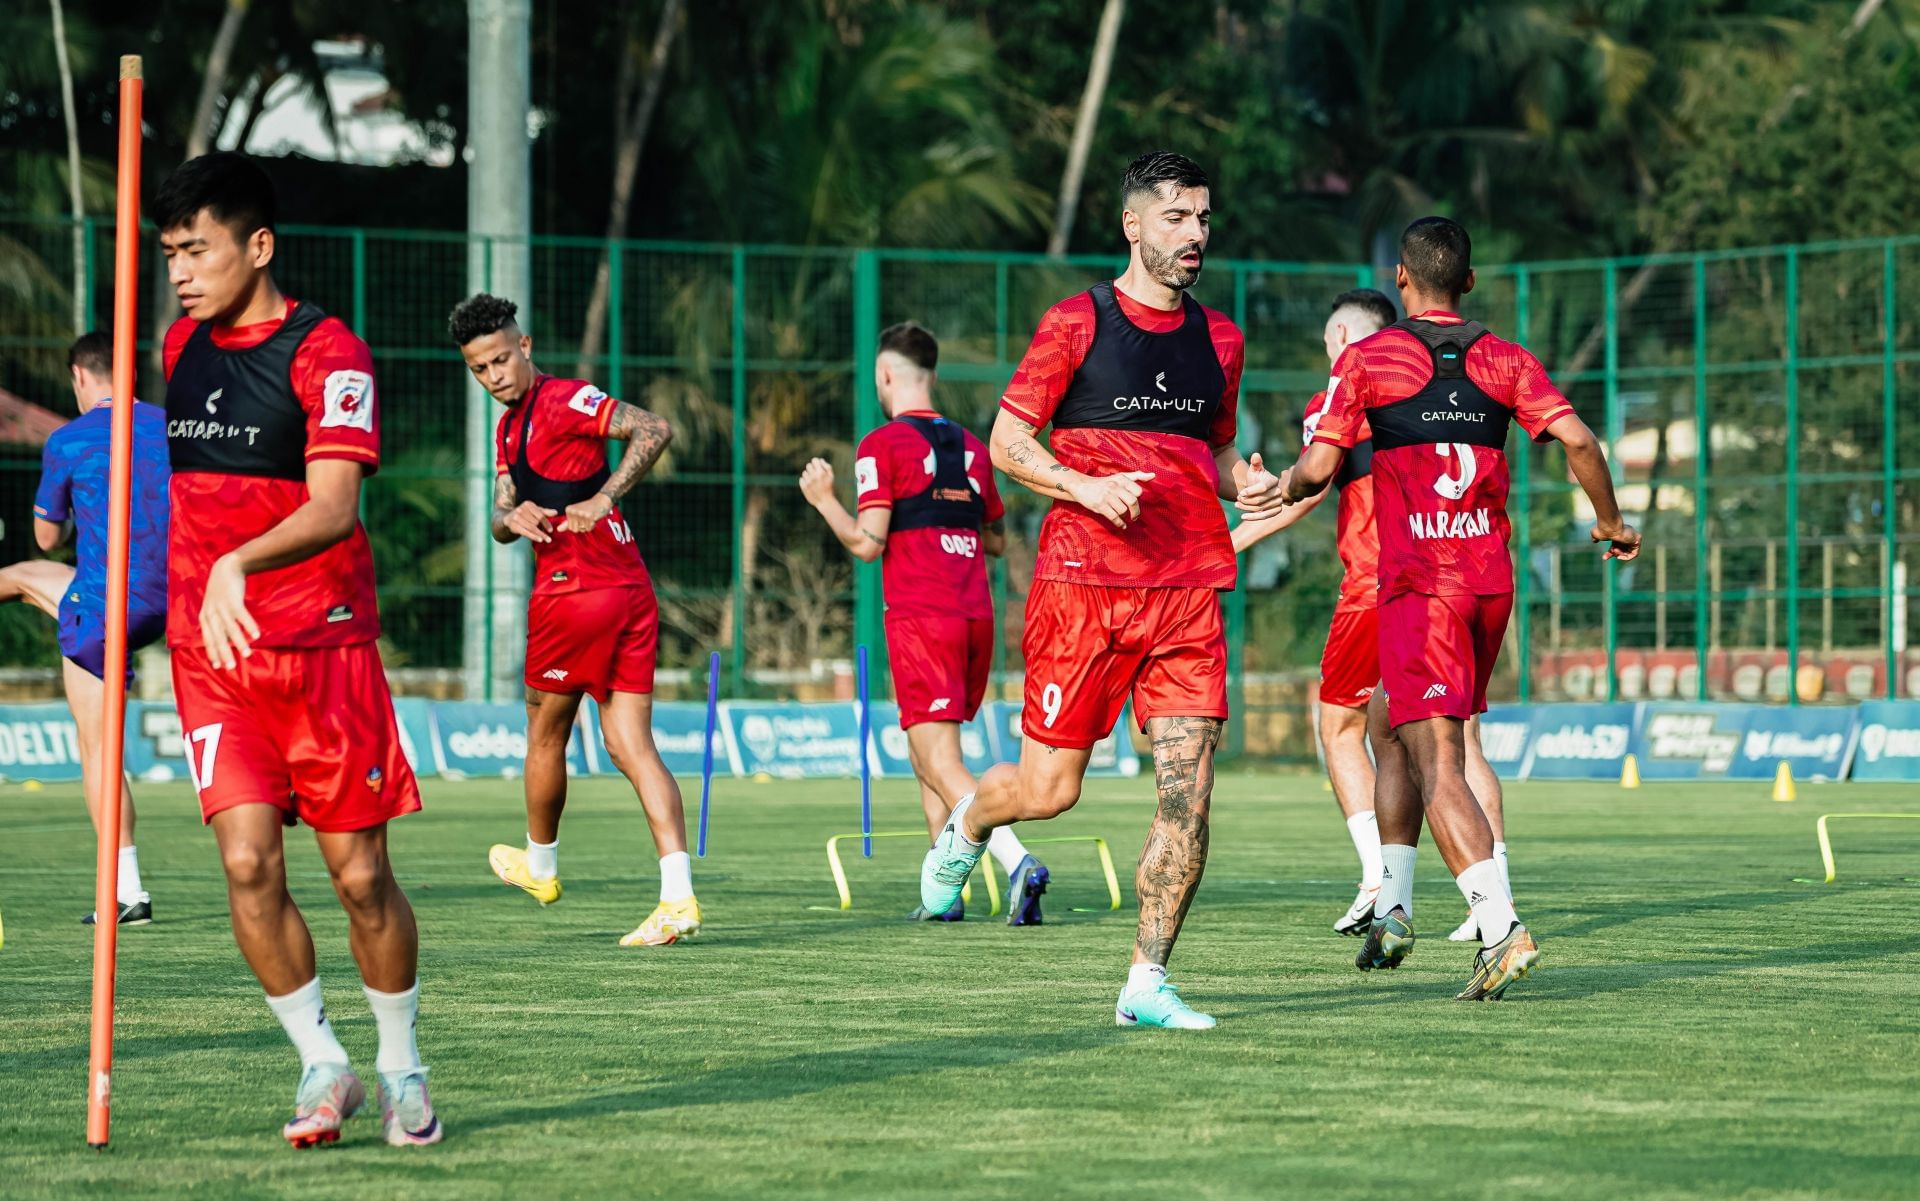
{"points": [[1437, 653], [1350, 665], [309, 731], [598, 641], [940, 665], [1090, 648]]}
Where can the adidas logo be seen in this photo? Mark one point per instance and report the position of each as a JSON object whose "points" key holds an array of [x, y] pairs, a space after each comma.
{"points": [[553, 674], [1386, 873], [1435, 690], [1476, 898]]}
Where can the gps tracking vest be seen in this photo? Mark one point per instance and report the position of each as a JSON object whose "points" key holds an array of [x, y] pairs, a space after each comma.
{"points": [[531, 485], [949, 502], [1451, 408], [1134, 379], [234, 412]]}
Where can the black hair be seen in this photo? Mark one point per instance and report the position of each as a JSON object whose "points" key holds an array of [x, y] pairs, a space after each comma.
{"points": [[1149, 171], [94, 351], [479, 315], [1438, 255], [912, 342], [1371, 301], [231, 187]]}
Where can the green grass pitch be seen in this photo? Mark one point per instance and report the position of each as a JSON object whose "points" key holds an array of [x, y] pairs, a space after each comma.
{"points": [[1702, 1026]]}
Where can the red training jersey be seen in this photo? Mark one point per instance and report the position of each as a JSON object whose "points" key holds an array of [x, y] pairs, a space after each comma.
{"points": [[1441, 506], [568, 441], [1355, 535], [322, 601], [926, 571], [1181, 538]]}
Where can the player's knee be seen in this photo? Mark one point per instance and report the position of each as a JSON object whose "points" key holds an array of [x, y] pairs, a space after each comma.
{"points": [[1051, 796], [252, 866], [361, 881], [629, 752]]}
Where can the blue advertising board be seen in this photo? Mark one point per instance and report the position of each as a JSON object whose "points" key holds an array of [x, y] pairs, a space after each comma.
{"points": [[890, 742], [1112, 756], [38, 742], [677, 728], [481, 738], [1816, 742], [1889, 741], [791, 742], [1578, 742], [1505, 731], [1685, 740]]}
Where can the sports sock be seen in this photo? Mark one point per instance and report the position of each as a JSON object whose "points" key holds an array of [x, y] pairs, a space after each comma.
{"points": [[396, 1014], [1145, 977], [304, 1017], [543, 858], [676, 876], [1500, 857], [1365, 832], [1396, 879], [1487, 897], [128, 890], [953, 819], [1005, 847]]}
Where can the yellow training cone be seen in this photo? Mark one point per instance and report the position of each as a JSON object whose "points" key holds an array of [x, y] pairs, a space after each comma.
{"points": [[1630, 773], [1783, 789]]}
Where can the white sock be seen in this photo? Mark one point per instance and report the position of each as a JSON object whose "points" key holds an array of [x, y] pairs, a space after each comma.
{"points": [[1366, 841], [128, 890], [1500, 857], [1396, 879], [953, 819], [396, 1014], [304, 1017], [1487, 897], [1145, 977], [676, 876], [543, 859], [1005, 847]]}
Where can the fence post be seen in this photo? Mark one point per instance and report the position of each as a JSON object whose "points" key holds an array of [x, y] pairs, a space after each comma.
{"points": [[1793, 475], [1236, 601], [616, 335], [86, 269], [1889, 463], [1615, 423], [360, 278], [1523, 473], [1702, 448], [737, 653], [868, 625], [999, 311]]}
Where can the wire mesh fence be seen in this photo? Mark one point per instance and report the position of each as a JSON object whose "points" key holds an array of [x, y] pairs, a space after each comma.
{"points": [[1751, 403]]}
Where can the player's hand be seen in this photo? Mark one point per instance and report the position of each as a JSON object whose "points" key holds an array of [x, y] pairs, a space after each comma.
{"points": [[1624, 538], [816, 482], [1114, 497], [1261, 495], [531, 522], [227, 630], [1285, 488], [583, 515]]}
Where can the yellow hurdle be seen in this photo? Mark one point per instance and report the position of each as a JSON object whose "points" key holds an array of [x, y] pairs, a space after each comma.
{"points": [[1826, 845], [846, 892]]}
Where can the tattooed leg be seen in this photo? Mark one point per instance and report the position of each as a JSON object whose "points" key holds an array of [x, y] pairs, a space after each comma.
{"points": [[1176, 850]]}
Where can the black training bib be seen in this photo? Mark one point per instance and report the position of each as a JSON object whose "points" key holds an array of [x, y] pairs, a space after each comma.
{"points": [[948, 502], [235, 411], [1450, 407], [1134, 379], [542, 490]]}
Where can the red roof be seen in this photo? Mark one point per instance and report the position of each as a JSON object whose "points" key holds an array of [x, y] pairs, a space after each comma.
{"points": [[23, 423]]}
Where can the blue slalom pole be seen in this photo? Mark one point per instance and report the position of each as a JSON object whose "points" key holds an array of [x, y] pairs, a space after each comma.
{"points": [[706, 747], [866, 770]]}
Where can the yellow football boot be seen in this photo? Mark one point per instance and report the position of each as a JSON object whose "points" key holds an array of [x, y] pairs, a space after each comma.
{"points": [[669, 922], [510, 864]]}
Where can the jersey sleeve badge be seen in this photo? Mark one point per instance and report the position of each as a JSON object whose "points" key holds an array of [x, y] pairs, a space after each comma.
{"points": [[588, 400], [349, 401], [866, 475]]}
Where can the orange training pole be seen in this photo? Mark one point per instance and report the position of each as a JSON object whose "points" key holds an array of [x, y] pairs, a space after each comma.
{"points": [[106, 908]]}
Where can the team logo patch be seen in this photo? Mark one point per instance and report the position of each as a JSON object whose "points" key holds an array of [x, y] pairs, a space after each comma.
{"points": [[212, 396], [588, 400], [349, 401], [560, 577], [866, 474], [1160, 381], [1435, 690], [375, 780], [339, 613], [554, 673]]}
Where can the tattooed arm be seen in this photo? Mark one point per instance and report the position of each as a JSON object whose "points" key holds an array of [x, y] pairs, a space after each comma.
{"points": [[646, 435], [1176, 850], [1017, 451]]}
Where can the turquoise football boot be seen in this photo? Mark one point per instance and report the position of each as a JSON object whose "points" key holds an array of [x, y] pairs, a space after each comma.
{"points": [[951, 859], [1159, 1006]]}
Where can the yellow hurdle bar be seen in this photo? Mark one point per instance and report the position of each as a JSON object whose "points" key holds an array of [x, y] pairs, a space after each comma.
{"points": [[1826, 844], [1106, 862], [966, 890]]}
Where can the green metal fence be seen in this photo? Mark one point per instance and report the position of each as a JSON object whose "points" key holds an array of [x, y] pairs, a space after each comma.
{"points": [[1751, 402]]}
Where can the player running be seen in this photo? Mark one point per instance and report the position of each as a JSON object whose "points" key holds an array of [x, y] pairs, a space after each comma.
{"points": [[1141, 384], [592, 624], [929, 511], [73, 488], [271, 425], [1350, 663], [1437, 393]]}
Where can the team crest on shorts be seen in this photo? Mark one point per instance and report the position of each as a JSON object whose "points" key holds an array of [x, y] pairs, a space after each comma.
{"points": [[560, 577], [375, 779]]}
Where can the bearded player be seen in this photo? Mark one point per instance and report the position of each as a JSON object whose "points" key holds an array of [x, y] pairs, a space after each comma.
{"points": [[1141, 385], [929, 511], [271, 426], [592, 622], [1438, 393], [1350, 662]]}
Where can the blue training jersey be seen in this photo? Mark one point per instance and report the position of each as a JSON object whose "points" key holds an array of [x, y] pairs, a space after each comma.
{"points": [[73, 484]]}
